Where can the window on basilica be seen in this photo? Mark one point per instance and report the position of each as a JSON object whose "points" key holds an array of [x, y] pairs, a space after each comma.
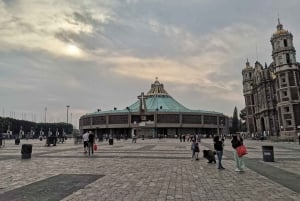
{"points": [[284, 93], [288, 60], [285, 43], [287, 109]]}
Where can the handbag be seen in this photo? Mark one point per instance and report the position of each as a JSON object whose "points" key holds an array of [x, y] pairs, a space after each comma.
{"points": [[241, 150], [95, 147]]}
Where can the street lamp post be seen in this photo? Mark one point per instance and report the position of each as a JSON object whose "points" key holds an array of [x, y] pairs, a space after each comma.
{"points": [[45, 114], [221, 129], [68, 106], [129, 121]]}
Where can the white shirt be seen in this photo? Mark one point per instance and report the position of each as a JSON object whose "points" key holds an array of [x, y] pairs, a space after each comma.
{"points": [[85, 137]]}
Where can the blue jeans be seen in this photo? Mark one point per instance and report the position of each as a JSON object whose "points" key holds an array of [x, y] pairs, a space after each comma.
{"points": [[219, 155]]}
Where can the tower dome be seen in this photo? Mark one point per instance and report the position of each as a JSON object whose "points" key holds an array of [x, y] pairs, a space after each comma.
{"points": [[280, 30]]}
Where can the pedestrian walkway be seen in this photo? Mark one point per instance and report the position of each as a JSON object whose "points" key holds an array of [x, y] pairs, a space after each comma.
{"points": [[153, 170]]}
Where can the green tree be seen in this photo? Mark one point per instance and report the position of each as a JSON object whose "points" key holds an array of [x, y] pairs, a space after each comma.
{"points": [[14, 125], [235, 121]]}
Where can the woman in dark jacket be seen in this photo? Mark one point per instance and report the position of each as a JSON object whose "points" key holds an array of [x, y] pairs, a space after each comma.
{"points": [[218, 145], [239, 161]]}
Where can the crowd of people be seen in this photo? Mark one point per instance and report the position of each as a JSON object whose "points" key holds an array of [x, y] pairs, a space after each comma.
{"points": [[218, 144], [236, 143]]}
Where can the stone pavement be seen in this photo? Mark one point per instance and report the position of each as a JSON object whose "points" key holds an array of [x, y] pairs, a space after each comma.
{"points": [[148, 170]]}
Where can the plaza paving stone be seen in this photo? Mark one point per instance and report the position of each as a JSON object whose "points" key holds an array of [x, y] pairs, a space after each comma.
{"points": [[152, 170]]}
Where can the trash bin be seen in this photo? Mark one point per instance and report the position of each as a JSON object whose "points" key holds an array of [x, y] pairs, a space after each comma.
{"points": [[111, 141], [26, 151], [51, 140], [268, 153], [17, 141]]}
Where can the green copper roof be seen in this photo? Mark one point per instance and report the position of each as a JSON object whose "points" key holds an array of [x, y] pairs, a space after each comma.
{"points": [[157, 99], [161, 103]]}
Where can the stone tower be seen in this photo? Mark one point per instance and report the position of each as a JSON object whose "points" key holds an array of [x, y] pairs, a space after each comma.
{"points": [[248, 76], [287, 84]]}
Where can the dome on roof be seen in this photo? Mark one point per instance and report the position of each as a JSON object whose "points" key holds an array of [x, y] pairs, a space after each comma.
{"points": [[157, 89], [280, 29], [157, 99], [247, 67]]}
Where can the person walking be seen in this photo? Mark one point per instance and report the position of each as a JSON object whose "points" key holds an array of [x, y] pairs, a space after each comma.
{"points": [[134, 136], [85, 139], [239, 161], [91, 143], [195, 150], [218, 145]]}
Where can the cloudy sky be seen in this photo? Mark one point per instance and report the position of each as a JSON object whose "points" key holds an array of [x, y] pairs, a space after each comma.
{"points": [[102, 54]]}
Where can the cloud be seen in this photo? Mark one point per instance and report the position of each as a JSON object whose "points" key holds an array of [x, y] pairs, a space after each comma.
{"points": [[196, 48], [207, 64], [45, 25]]}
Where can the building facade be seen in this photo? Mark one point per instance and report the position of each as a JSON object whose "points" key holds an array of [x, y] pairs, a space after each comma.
{"points": [[154, 114], [272, 93]]}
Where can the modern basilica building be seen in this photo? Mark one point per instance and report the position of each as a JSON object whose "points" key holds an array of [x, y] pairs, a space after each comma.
{"points": [[155, 114], [272, 93]]}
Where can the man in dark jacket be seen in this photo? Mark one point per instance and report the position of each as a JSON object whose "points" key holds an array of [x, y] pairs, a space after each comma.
{"points": [[218, 145], [91, 142]]}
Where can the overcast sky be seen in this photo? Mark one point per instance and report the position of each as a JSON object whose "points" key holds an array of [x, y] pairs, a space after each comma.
{"points": [[102, 54]]}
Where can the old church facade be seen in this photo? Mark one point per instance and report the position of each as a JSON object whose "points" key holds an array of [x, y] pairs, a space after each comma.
{"points": [[272, 93]]}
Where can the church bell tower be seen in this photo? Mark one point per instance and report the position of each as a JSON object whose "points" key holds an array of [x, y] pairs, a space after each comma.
{"points": [[287, 81]]}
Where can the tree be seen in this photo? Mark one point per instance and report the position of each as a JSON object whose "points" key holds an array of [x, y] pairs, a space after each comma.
{"points": [[235, 121], [14, 125]]}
